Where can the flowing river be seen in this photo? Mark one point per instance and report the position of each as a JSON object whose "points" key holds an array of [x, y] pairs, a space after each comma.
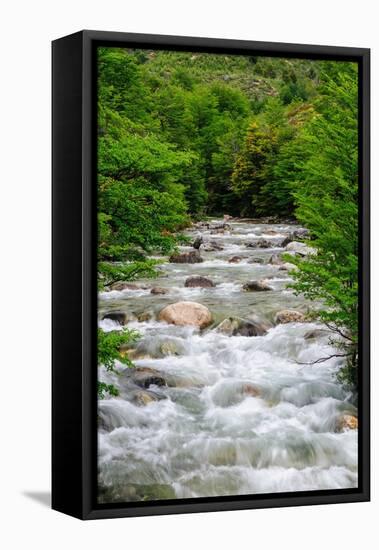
{"points": [[225, 415]]}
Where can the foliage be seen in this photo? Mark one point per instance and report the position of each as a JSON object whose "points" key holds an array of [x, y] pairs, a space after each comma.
{"points": [[108, 352], [326, 198]]}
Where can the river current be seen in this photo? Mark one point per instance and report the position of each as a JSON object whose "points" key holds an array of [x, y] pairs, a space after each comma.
{"points": [[240, 414]]}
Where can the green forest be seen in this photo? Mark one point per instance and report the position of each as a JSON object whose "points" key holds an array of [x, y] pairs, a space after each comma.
{"points": [[185, 135]]}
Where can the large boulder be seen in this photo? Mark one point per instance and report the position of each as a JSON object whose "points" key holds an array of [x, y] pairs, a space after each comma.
{"points": [[257, 286], [289, 316], [192, 257], [198, 281], [186, 313], [235, 326], [300, 249]]}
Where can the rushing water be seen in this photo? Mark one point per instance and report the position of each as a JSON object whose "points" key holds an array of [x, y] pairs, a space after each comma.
{"points": [[207, 434]]}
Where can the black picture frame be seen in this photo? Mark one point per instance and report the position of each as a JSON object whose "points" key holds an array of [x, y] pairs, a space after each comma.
{"points": [[74, 427]]}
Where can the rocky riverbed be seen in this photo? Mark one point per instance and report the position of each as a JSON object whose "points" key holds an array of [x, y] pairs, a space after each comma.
{"points": [[224, 399]]}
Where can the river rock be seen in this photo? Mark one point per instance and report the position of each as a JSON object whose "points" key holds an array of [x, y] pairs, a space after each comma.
{"points": [[198, 281], [186, 313], [260, 243], [235, 326], [347, 422], [198, 242], [192, 257], [289, 316], [257, 286], [316, 333], [212, 246], [275, 259], [286, 241], [117, 316], [158, 290], [143, 397], [146, 377], [300, 249], [301, 233], [145, 316], [236, 259], [134, 354], [120, 285]]}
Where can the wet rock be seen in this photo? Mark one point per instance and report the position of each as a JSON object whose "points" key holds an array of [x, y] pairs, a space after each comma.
{"points": [[192, 257], [221, 226], [300, 233], [198, 281], [289, 316], [300, 249], [145, 316], [186, 313], [235, 326], [275, 259], [316, 333], [212, 246], [146, 377], [143, 397], [347, 422], [134, 354], [169, 348], [260, 243], [236, 259], [158, 290], [117, 316], [297, 234], [198, 242], [120, 285], [286, 241], [257, 286]]}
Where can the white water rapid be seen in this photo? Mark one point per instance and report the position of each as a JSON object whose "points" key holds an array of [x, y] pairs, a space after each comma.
{"points": [[239, 414]]}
